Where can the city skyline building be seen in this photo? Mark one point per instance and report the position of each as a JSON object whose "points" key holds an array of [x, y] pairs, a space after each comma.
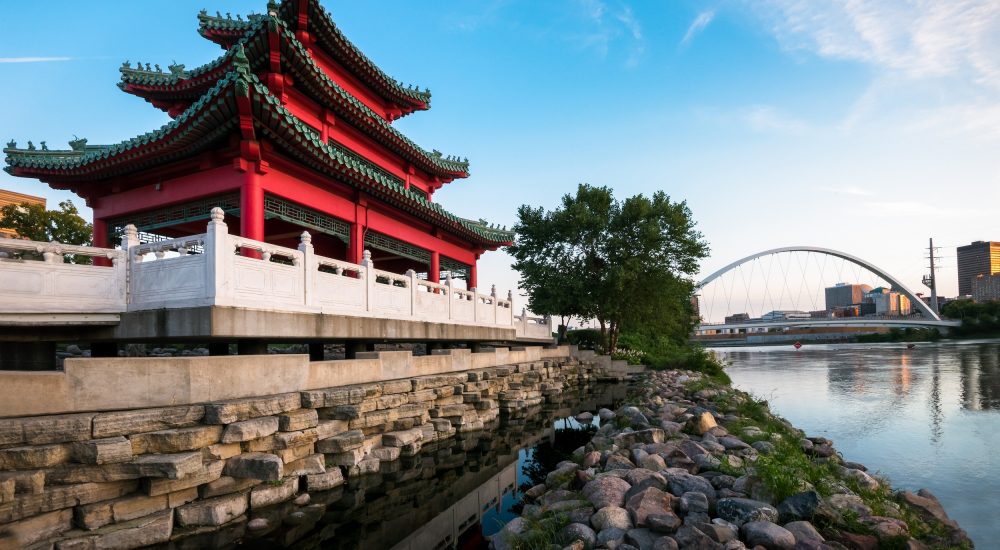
{"points": [[845, 295], [976, 258], [986, 288], [10, 197]]}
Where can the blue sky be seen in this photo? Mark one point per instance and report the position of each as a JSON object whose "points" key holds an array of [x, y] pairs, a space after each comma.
{"points": [[865, 126]]}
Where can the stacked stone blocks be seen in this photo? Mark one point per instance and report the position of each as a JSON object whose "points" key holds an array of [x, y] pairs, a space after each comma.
{"points": [[147, 476]]}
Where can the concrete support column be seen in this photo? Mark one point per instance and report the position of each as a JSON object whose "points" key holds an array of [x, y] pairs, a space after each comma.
{"points": [[353, 347], [27, 356], [252, 210], [104, 349], [315, 351], [251, 347], [218, 348]]}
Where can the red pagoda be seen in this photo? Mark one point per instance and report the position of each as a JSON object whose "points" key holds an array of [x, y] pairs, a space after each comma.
{"points": [[289, 130]]}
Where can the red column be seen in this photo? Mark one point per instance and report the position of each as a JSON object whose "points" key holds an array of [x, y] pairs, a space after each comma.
{"points": [[356, 247], [251, 210], [473, 276], [101, 240], [434, 274]]}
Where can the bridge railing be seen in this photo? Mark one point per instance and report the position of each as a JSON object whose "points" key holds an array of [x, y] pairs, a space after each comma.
{"points": [[216, 268], [38, 277]]}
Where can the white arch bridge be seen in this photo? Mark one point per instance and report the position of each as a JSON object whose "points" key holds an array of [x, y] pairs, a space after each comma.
{"points": [[801, 283]]}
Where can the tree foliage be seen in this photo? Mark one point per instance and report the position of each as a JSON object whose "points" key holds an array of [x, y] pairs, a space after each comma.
{"points": [[628, 264], [35, 223], [978, 319]]}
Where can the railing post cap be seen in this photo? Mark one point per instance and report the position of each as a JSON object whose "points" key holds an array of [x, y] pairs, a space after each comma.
{"points": [[305, 238], [218, 214]]}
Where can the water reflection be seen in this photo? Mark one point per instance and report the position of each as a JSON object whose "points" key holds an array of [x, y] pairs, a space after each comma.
{"points": [[454, 494], [926, 416]]}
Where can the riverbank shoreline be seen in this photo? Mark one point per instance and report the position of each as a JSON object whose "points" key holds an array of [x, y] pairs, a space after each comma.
{"points": [[691, 462]]}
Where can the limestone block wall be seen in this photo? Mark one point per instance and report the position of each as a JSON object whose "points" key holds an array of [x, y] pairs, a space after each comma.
{"points": [[141, 476]]}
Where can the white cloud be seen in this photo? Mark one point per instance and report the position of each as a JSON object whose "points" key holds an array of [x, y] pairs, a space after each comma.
{"points": [[920, 39], [33, 59], [700, 22], [936, 61], [609, 25]]}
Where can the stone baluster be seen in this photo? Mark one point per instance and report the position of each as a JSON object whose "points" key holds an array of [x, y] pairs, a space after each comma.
{"points": [[451, 295], [493, 297], [411, 282], [309, 280], [475, 305], [219, 260], [367, 272], [510, 306]]}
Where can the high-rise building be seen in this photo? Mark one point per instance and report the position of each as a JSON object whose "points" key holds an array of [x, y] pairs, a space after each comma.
{"points": [[986, 288], [845, 295], [886, 302], [978, 258], [10, 197]]}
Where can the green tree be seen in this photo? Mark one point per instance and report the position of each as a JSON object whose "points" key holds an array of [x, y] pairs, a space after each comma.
{"points": [[34, 222], [626, 264]]}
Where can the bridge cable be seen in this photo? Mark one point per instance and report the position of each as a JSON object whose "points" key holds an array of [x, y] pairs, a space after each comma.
{"points": [[743, 279]]}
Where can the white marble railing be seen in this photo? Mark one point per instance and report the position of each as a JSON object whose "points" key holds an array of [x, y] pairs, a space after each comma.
{"points": [[35, 278], [208, 269]]}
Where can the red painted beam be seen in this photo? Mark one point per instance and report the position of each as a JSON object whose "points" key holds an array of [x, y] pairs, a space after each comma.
{"points": [[182, 189]]}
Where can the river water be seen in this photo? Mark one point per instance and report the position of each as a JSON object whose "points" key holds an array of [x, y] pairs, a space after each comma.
{"points": [[923, 417]]}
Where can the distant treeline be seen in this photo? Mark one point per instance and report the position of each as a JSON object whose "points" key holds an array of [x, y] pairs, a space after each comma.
{"points": [[977, 319]]}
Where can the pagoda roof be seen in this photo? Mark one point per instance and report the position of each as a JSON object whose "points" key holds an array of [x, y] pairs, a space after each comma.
{"points": [[179, 83], [210, 120], [226, 31]]}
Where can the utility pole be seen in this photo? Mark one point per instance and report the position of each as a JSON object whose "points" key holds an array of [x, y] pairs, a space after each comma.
{"points": [[931, 280]]}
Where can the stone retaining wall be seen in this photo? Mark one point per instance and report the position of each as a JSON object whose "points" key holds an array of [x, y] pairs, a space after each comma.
{"points": [[128, 478]]}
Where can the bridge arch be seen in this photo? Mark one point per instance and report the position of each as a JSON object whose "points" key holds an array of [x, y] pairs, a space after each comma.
{"points": [[924, 309]]}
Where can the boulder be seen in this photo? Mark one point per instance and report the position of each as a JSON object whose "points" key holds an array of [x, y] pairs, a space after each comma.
{"points": [[618, 462], [664, 523], [800, 506], [690, 538], [579, 532], [681, 482], [742, 510], [606, 491], [769, 535], [642, 539], [693, 502], [703, 422], [611, 517], [612, 537], [803, 531], [504, 538], [650, 501]]}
